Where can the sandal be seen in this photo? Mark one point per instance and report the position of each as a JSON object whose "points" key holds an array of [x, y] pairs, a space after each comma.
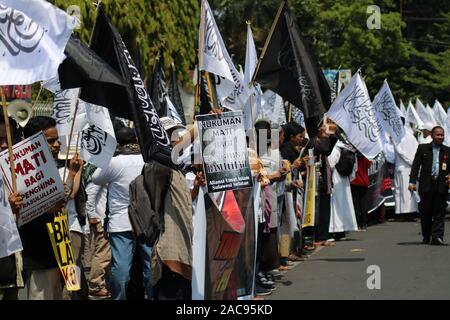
{"points": [[293, 257]]}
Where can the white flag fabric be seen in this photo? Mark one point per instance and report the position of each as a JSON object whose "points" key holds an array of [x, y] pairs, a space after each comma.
{"points": [[33, 36], [273, 108], [199, 247], [402, 109], [92, 123], [431, 112], [214, 58], [387, 113], [251, 60], [353, 112], [439, 114], [64, 104], [447, 129], [9, 235], [413, 117], [298, 116], [425, 116], [98, 141]]}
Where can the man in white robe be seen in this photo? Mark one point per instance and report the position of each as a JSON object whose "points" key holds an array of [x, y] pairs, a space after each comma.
{"points": [[405, 151], [343, 216]]}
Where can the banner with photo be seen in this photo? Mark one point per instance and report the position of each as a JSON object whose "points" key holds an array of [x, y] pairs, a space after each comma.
{"points": [[224, 236]]}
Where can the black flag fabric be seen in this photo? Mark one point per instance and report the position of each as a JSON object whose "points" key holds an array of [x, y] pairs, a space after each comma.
{"points": [[174, 95], [108, 44], [84, 68], [289, 67], [207, 94], [158, 88]]}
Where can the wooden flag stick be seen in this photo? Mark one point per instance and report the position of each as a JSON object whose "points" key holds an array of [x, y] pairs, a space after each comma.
{"points": [[9, 140], [197, 93], [289, 112], [97, 6], [78, 142]]}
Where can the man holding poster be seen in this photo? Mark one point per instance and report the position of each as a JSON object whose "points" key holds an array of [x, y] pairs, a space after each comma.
{"points": [[43, 276]]}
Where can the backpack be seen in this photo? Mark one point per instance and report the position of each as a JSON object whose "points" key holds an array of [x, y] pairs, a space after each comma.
{"points": [[146, 215], [346, 162]]}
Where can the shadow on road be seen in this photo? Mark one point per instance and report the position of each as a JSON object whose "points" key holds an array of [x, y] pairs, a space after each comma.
{"points": [[341, 259], [415, 243]]}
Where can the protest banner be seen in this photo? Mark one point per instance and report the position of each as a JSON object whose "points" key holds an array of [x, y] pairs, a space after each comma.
{"points": [[19, 92], [310, 195], [375, 197], [245, 266], [225, 233], [224, 151], [59, 234], [38, 180]]}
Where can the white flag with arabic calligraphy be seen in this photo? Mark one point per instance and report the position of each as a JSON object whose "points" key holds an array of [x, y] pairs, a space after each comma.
{"points": [[33, 35], [388, 114], [98, 141], [353, 112], [214, 58]]}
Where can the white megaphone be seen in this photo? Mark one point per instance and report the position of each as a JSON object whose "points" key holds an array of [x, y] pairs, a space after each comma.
{"points": [[21, 111]]}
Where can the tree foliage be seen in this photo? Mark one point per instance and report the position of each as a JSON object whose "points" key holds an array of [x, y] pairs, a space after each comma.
{"points": [[411, 50], [152, 27], [338, 32]]}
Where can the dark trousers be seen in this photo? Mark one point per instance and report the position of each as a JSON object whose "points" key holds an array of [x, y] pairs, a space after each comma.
{"points": [[270, 258], [359, 194], [432, 212], [172, 286], [324, 218]]}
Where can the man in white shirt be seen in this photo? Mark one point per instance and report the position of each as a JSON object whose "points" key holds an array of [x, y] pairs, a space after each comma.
{"points": [[122, 170], [101, 256]]}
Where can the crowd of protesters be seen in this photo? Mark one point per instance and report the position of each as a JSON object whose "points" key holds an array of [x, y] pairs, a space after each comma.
{"points": [[118, 263]]}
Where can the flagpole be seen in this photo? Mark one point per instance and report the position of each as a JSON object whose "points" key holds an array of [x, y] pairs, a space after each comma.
{"points": [[201, 35], [37, 98], [197, 92], [251, 86], [97, 6], [269, 37], [210, 88], [289, 112], [9, 140]]}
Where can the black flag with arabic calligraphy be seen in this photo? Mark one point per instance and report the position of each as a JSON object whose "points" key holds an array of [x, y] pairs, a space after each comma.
{"points": [[108, 44], [158, 88], [174, 95], [290, 68]]}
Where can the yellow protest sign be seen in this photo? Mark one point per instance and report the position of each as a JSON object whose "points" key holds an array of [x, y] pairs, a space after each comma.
{"points": [[58, 231], [310, 197]]}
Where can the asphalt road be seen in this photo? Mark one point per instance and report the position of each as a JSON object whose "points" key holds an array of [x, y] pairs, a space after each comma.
{"points": [[408, 269]]}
